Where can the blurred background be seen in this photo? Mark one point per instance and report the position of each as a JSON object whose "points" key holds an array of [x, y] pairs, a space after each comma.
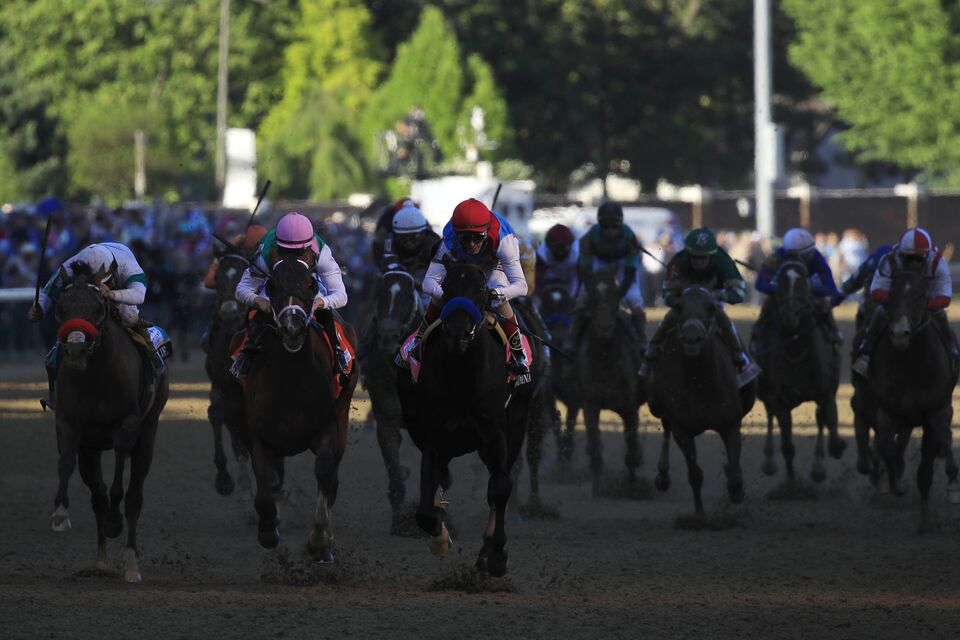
{"points": [[156, 122]]}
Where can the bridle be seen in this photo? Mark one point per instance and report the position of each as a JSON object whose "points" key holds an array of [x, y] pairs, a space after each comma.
{"points": [[416, 307]]}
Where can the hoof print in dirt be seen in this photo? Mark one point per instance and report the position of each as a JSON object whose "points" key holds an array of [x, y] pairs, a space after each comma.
{"points": [[623, 488], [539, 510], [793, 491], [465, 579], [283, 567], [97, 572]]}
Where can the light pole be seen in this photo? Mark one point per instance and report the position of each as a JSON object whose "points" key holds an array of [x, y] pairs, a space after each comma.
{"points": [[762, 125], [222, 75]]}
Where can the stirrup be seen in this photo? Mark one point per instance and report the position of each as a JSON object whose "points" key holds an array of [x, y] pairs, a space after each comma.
{"points": [[237, 368], [748, 374], [861, 365]]}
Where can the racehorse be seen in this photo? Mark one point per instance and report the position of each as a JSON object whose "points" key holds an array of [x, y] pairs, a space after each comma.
{"points": [[226, 396], [102, 404], [607, 362], [556, 304], [291, 404], [462, 403], [912, 377], [694, 388], [398, 307], [799, 364]]}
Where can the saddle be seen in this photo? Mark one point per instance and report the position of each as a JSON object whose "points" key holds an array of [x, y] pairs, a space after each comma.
{"points": [[407, 360]]}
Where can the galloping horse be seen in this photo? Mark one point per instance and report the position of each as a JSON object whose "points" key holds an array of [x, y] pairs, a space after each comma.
{"points": [[694, 388], [226, 399], [397, 311], [556, 304], [912, 377], [100, 406], [291, 406], [607, 361], [799, 364], [463, 403]]}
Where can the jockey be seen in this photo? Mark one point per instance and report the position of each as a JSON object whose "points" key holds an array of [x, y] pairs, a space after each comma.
{"points": [[484, 238], [294, 237], [247, 242], [703, 263], [557, 259], [798, 245], [125, 286], [410, 243], [915, 246], [863, 278], [610, 245]]}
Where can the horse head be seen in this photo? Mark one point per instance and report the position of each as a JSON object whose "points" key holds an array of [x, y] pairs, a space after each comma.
{"points": [[465, 299], [228, 310], [907, 308], [555, 307], [82, 312], [398, 305], [697, 308], [793, 296], [291, 289], [603, 303]]}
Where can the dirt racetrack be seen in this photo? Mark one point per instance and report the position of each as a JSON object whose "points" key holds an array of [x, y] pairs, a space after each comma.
{"points": [[831, 560]]}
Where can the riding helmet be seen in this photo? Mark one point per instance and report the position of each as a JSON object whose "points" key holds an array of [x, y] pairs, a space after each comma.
{"points": [[409, 219], [471, 215], [609, 211], [798, 240], [915, 242], [700, 242]]}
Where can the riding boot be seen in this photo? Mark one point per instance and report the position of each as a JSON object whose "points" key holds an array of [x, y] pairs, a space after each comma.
{"points": [[747, 369], [240, 365], [518, 359], [52, 365], [871, 334], [429, 316], [340, 357]]}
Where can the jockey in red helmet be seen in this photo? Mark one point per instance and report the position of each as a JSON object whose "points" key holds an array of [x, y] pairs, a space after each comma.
{"points": [[482, 237], [915, 248], [557, 259]]}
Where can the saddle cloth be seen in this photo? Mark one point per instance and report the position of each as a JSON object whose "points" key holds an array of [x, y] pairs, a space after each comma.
{"points": [[409, 361]]}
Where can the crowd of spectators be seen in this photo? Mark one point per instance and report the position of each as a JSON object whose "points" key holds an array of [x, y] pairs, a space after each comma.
{"points": [[175, 244]]}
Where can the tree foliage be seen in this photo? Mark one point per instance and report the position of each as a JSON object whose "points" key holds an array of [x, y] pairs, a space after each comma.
{"points": [[893, 71]]}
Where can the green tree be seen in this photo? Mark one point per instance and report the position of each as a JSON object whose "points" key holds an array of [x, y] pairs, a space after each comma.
{"points": [[891, 69], [331, 69], [485, 94]]}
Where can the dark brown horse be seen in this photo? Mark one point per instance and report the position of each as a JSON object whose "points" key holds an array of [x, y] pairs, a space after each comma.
{"points": [[800, 364], [607, 362], [398, 310], [912, 377], [101, 405], [291, 406], [226, 396], [694, 388], [463, 403], [556, 307]]}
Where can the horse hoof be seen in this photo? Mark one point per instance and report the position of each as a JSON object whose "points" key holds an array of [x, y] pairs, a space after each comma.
{"points": [[769, 467], [132, 576], [440, 545], [818, 474], [497, 564], [60, 520], [662, 482], [268, 539], [113, 526], [224, 484], [864, 467], [897, 489], [836, 448], [736, 493], [320, 547]]}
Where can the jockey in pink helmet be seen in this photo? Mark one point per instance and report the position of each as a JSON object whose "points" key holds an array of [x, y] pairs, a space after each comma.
{"points": [[294, 237], [915, 248]]}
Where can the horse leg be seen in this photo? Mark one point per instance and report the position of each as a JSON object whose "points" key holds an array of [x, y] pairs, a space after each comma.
{"points": [[389, 439], [223, 483], [836, 445], [320, 542], [950, 466], [634, 455], [540, 418], [891, 445], [819, 471], [732, 443], [591, 419], [694, 472], [113, 521], [566, 438], [929, 447], [429, 513], [493, 555], [66, 462], [662, 482], [769, 462], [786, 440], [92, 474], [140, 462], [267, 533], [861, 431]]}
